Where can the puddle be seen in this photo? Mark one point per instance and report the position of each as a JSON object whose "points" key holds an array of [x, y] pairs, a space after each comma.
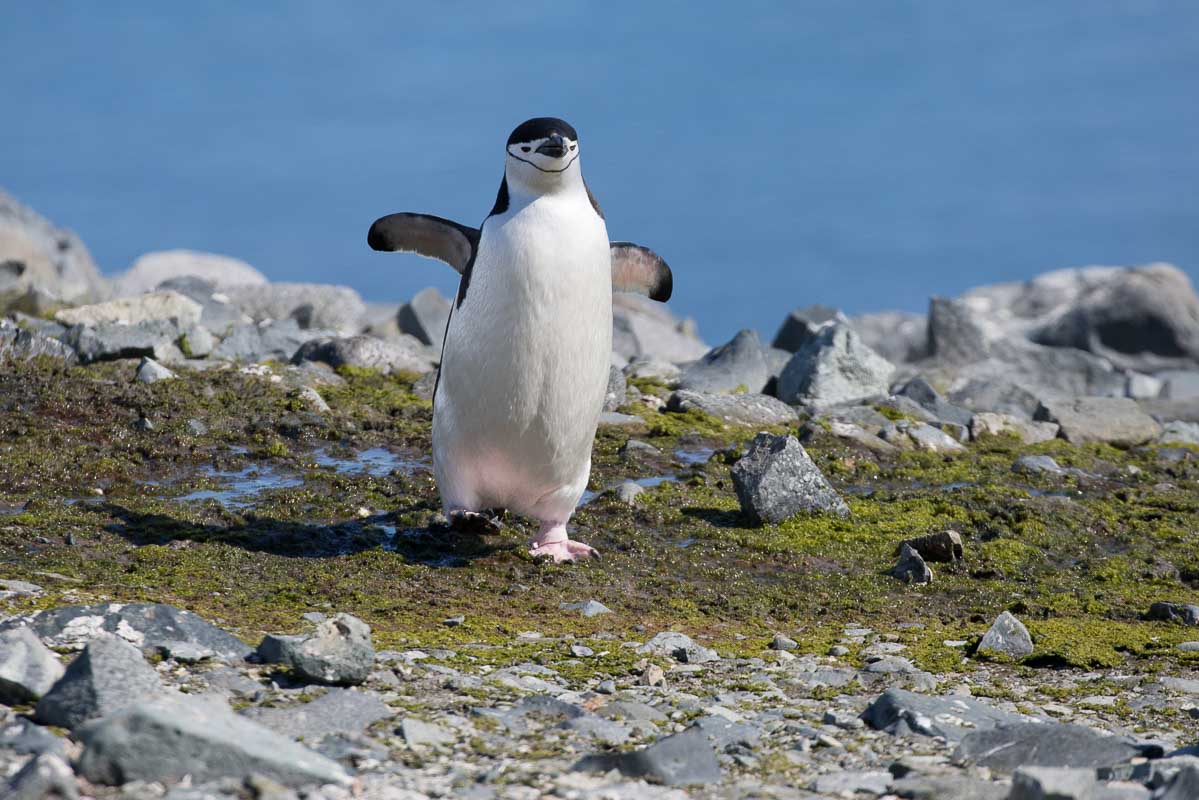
{"points": [[244, 485], [375, 462], [687, 457]]}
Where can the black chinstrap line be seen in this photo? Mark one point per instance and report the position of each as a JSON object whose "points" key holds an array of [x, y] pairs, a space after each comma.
{"points": [[534, 166]]}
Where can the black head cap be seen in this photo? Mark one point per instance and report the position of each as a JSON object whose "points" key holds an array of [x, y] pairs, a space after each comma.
{"points": [[542, 128]]}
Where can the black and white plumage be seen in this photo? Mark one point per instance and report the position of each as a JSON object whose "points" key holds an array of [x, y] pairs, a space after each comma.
{"points": [[524, 366]]}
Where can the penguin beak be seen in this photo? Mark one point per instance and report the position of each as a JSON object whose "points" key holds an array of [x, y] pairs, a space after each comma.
{"points": [[554, 147]]}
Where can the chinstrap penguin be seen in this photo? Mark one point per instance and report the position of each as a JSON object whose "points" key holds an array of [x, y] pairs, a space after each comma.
{"points": [[524, 365]]}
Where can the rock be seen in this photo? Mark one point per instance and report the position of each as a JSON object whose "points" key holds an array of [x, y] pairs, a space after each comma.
{"points": [[1184, 786], [614, 397], [165, 306], [649, 369], [40, 257], [1139, 386], [1017, 369], [901, 337], [20, 344], [947, 787], [737, 364], [197, 342], [781, 642], [27, 667], [217, 311], [923, 393], [23, 737], [9, 589], [666, 643], [850, 432], [985, 424], [1053, 783], [152, 269], [1179, 384], [695, 654], [275, 341], [928, 438], [955, 335], [338, 711], [111, 340], [169, 737], [898, 712], [642, 328], [1184, 613], [994, 394], [1037, 464], [425, 317], [312, 305], [776, 479], [944, 547], [834, 367], [107, 676], [387, 356], [150, 371], [911, 567], [628, 492], [44, 777], [1179, 433], [739, 409], [1007, 637], [418, 733], [803, 324], [337, 652], [145, 625], [1144, 318], [682, 759], [591, 608], [848, 782], [612, 419], [1115, 420], [1037, 744]]}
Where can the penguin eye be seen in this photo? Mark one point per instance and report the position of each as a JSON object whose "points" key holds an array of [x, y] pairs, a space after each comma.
{"points": [[573, 146], [525, 149]]}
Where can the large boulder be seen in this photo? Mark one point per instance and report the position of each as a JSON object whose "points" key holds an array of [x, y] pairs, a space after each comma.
{"points": [[425, 317], [955, 335], [113, 340], [737, 364], [1115, 420], [27, 667], [642, 328], [834, 367], [270, 341], [108, 675], [37, 256], [151, 269], [164, 306], [218, 312], [777, 479], [804, 323], [311, 305], [901, 337]]}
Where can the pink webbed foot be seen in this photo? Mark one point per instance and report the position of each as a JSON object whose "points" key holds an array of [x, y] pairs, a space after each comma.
{"points": [[553, 542]]}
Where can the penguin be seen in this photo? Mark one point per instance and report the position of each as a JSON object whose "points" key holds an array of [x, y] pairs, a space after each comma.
{"points": [[526, 354]]}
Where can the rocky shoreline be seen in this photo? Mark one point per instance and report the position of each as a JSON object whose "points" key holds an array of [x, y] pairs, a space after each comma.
{"points": [[894, 555]]}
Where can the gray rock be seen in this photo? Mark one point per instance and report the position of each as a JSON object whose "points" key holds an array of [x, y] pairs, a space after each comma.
{"points": [[1053, 783], [338, 711], [424, 386], [146, 625], [107, 676], [901, 337], [1180, 384], [43, 777], [273, 341], [418, 733], [944, 547], [150, 371], [666, 643], [111, 340], [649, 369], [27, 667], [738, 363], [197, 342], [1184, 786], [852, 781], [628, 492], [739, 409], [39, 256], [931, 439], [682, 759], [911, 567], [804, 323], [1139, 386], [955, 334], [185, 652], [985, 423], [337, 652], [385, 355], [19, 344], [644, 329], [922, 392], [338, 309], [591, 608], [614, 397], [1178, 432], [1184, 613], [217, 311], [10, 588], [151, 270], [613, 419], [163, 306], [776, 479], [834, 367], [1036, 744], [22, 737], [1008, 637], [169, 737], [898, 712], [695, 654], [1037, 464], [995, 394], [425, 317], [781, 642], [947, 787], [1115, 420]]}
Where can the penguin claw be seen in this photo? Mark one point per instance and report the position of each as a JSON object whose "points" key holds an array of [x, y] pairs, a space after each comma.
{"points": [[563, 551]]}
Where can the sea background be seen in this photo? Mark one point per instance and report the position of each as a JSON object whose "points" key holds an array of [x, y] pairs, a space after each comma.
{"points": [[859, 154]]}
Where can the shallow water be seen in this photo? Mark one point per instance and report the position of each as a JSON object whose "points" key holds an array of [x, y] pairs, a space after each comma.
{"points": [[244, 485], [377, 461]]}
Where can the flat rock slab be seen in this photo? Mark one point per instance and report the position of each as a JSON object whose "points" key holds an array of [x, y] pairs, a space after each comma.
{"points": [[1008, 746], [337, 711], [170, 737], [146, 625], [898, 711], [1115, 420], [740, 409], [682, 759]]}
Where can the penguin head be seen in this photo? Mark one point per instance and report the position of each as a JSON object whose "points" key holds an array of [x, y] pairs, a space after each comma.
{"points": [[542, 154]]}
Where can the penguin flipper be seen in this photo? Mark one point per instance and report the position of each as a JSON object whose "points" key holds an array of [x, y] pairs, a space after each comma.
{"points": [[639, 269], [426, 235]]}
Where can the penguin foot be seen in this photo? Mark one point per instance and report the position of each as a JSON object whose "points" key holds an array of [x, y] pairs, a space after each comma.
{"points": [[475, 522], [552, 542]]}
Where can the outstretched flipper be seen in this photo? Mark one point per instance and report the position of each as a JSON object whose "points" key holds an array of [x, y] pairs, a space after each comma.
{"points": [[426, 235], [641, 270], [634, 268]]}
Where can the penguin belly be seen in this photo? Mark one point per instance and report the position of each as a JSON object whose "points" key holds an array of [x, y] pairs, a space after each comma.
{"points": [[525, 365]]}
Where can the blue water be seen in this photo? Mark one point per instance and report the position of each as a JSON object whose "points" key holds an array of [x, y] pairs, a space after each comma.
{"points": [[860, 154]]}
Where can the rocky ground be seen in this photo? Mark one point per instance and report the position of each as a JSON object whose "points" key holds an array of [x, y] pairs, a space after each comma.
{"points": [[951, 556]]}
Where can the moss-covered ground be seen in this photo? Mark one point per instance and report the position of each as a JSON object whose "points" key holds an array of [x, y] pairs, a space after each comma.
{"points": [[97, 504]]}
